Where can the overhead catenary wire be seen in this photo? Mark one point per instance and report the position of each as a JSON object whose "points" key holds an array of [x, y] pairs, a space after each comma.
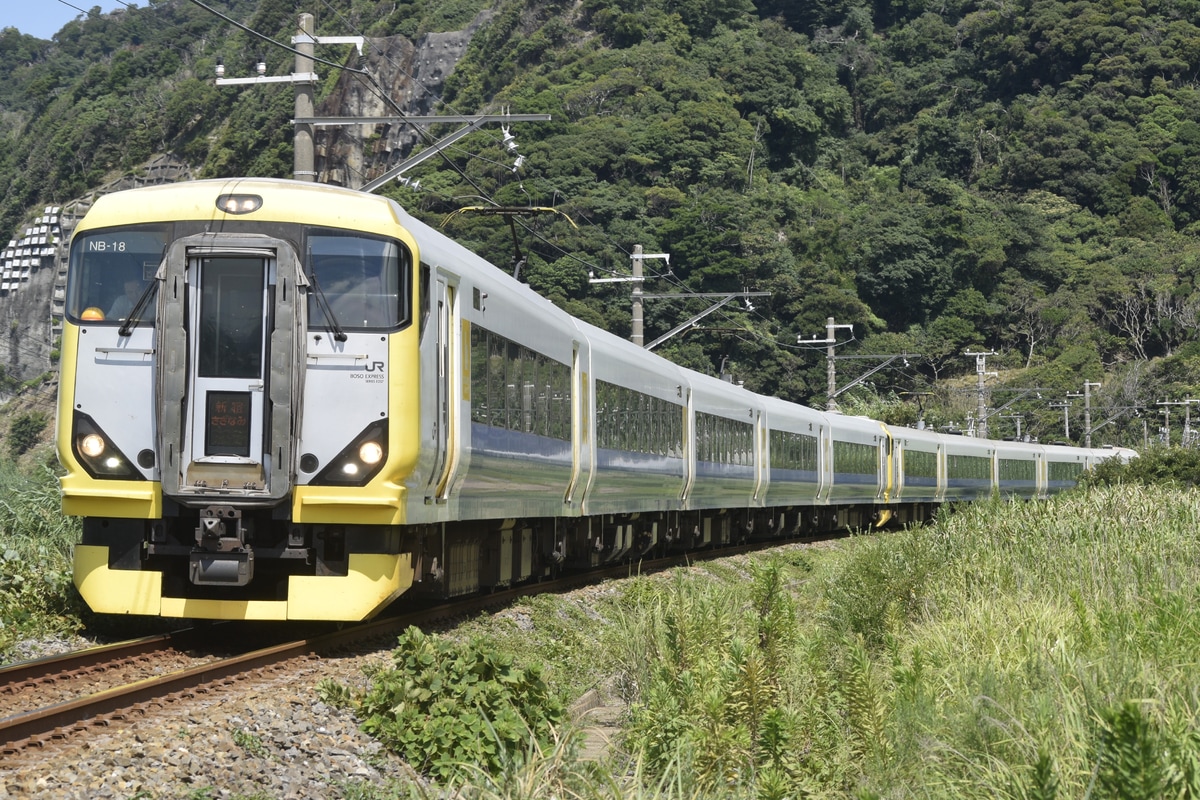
{"points": [[372, 84], [93, 13], [469, 154]]}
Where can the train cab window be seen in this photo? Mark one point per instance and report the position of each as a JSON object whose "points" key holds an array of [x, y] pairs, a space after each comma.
{"points": [[365, 281], [110, 271]]}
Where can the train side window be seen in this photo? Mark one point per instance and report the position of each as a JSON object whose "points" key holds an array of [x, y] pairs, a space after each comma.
{"points": [[480, 403], [423, 293], [518, 389]]}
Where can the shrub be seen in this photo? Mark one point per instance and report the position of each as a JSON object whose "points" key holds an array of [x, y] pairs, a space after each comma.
{"points": [[1170, 466], [24, 432], [448, 707]]}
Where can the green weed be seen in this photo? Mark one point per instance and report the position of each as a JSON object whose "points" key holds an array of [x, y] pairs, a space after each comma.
{"points": [[445, 706], [37, 597]]}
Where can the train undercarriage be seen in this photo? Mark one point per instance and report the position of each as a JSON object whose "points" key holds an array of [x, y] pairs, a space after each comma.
{"points": [[464, 558], [217, 562]]}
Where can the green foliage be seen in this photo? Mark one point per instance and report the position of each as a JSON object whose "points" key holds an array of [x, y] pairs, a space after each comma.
{"points": [[24, 431], [708, 681], [885, 584], [37, 597], [446, 707], [252, 743], [1130, 750], [1042, 783], [1170, 466], [1023, 179], [1040, 651]]}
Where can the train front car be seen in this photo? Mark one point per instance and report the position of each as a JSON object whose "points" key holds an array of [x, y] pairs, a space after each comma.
{"points": [[238, 403]]}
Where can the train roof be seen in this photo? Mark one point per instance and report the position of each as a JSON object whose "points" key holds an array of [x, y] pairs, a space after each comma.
{"points": [[284, 200]]}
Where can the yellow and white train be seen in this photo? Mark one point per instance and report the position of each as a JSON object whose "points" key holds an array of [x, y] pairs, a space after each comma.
{"points": [[282, 400]]}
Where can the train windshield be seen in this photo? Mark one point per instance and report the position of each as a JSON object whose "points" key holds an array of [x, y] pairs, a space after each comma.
{"points": [[365, 281], [110, 272]]}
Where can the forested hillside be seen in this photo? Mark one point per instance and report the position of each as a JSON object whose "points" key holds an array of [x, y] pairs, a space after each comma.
{"points": [[1020, 177]]}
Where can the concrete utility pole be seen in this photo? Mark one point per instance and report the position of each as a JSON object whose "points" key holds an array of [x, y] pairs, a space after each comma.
{"points": [[1087, 412], [638, 278], [983, 374], [1065, 405], [303, 161], [830, 361], [1166, 428], [830, 340], [1016, 418], [1187, 420]]}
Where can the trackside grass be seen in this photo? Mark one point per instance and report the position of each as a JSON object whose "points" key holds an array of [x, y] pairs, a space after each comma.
{"points": [[36, 595], [1025, 650], [1012, 650]]}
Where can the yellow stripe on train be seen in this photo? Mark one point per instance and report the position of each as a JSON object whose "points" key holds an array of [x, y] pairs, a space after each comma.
{"points": [[373, 581]]}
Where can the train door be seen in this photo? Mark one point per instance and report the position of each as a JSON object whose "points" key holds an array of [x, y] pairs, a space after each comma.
{"points": [[227, 315], [689, 446], [227, 338], [445, 398], [581, 440], [825, 463], [884, 469], [762, 454], [943, 480]]}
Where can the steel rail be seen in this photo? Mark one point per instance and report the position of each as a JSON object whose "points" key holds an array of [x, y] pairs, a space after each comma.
{"points": [[57, 722]]}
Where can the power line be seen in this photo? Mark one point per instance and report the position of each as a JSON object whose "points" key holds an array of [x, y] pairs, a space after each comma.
{"points": [[279, 44], [372, 84]]}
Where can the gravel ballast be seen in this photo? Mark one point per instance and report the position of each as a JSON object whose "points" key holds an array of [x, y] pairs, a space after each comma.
{"points": [[263, 737], [267, 736]]}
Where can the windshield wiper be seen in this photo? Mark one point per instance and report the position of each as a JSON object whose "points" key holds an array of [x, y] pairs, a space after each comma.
{"points": [[135, 313], [338, 334]]}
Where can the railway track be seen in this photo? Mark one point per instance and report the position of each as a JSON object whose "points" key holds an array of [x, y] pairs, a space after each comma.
{"points": [[55, 698]]}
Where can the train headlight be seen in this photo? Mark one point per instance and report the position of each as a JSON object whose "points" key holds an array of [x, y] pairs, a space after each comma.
{"points": [[239, 203], [96, 452], [359, 461], [92, 445], [370, 453]]}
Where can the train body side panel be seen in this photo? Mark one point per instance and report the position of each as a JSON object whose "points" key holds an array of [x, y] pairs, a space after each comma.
{"points": [[514, 361], [969, 468], [1018, 467], [916, 467], [858, 449], [723, 422], [639, 415], [793, 441]]}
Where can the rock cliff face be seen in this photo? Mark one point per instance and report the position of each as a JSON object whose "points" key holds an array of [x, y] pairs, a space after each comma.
{"points": [[33, 272], [412, 76], [33, 267]]}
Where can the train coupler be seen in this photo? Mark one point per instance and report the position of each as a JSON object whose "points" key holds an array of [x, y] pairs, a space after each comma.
{"points": [[221, 556]]}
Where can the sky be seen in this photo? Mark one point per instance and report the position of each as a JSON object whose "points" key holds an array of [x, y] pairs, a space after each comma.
{"points": [[44, 18]]}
